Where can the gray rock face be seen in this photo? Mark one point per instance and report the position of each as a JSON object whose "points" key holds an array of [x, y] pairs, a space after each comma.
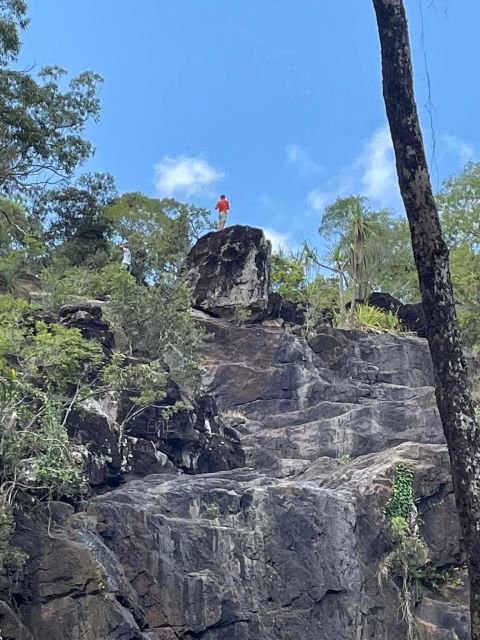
{"points": [[240, 555], [257, 512], [287, 549], [344, 393], [228, 270], [194, 440]]}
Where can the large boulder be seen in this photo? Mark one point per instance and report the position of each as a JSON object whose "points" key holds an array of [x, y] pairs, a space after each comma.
{"points": [[411, 316], [228, 273]]}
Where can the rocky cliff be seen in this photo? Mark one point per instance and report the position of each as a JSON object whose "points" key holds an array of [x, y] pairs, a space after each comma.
{"points": [[256, 514]]}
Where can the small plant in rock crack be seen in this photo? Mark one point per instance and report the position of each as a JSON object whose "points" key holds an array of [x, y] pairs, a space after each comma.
{"points": [[100, 580], [343, 459], [402, 501], [242, 315], [234, 413], [212, 509]]}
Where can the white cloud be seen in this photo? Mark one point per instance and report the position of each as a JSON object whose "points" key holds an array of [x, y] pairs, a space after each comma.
{"points": [[278, 239], [299, 157], [184, 175], [464, 150], [372, 174], [378, 179], [318, 199]]}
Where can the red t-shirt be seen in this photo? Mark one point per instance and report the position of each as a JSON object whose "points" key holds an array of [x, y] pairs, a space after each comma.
{"points": [[223, 205]]}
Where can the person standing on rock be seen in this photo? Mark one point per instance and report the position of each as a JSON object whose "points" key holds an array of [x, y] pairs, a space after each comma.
{"points": [[223, 206], [127, 257]]}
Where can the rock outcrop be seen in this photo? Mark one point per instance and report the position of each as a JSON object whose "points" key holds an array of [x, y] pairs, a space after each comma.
{"points": [[342, 393], [87, 317], [241, 555], [411, 316], [287, 548], [228, 272], [196, 439], [257, 512]]}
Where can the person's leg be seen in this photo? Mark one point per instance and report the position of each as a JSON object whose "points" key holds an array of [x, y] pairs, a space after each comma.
{"points": [[222, 218]]}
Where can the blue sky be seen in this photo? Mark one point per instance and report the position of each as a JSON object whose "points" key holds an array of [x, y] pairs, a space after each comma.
{"points": [[276, 103]]}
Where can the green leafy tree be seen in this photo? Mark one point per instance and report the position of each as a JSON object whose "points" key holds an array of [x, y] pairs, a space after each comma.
{"points": [[459, 207], [45, 355], [43, 118], [76, 225], [396, 272], [355, 228], [13, 19], [465, 270], [156, 322], [287, 275], [159, 232], [20, 248]]}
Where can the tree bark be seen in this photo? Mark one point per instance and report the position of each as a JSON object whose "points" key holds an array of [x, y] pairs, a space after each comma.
{"points": [[431, 257]]}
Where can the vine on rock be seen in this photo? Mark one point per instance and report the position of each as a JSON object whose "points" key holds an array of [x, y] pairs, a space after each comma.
{"points": [[409, 551]]}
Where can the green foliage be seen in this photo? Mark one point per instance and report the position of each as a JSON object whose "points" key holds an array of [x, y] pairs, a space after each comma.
{"points": [[50, 461], [212, 509], [242, 315], [159, 232], [465, 269], [157, 322], [406, 557], [356, 231], [13, 18], [37, 456], [287, 275], [401, 513], [322, 293], [51, 354], [145, 382], [42, 125], [10, 556], [60, 354], [370, 317], [396, 272], [343, 459], [402, 500], [74, 220], [459, 207], [20, 247], [35, 452], [434, 578]]}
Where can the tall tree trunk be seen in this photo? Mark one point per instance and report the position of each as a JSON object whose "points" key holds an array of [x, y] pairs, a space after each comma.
{"points": [[431, 257]]}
